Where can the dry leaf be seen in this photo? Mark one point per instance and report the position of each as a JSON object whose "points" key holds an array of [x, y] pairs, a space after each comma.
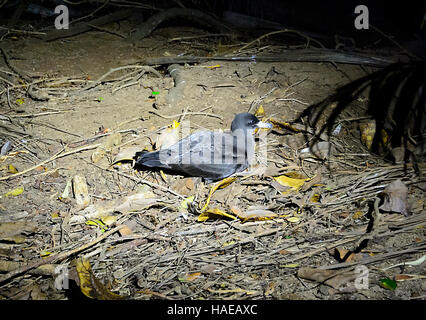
{"points": [[257, 215], [343, 255], [125, 231], [189, 183], [12, 169], [357, 215], [260, 112], [90, 286], [168, 136], [320, 150], [112, 141], [81, 192], [16, 231], [368, 130], [190, 277], [334, 278], [15, 192], [214, 213], [220, 185], [293, 219], [185, 202], [145, 198], [293, 183], [284, 125], [395, 200], [126, 154]]}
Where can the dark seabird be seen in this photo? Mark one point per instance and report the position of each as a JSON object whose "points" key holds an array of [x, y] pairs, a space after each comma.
{"points": [[212, 155]]}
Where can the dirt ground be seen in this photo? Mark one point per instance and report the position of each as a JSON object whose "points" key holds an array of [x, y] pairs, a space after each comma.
{"points": [[165, 252]]}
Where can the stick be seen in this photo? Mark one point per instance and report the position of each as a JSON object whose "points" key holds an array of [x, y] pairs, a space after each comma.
{"points": [[54, 157], [374, 259], [151, 184], [83, 27], [187, 113], [281, 31], [58, 257]]}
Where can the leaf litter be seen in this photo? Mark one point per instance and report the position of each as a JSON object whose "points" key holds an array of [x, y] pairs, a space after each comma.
{"points": [[302, 223]]}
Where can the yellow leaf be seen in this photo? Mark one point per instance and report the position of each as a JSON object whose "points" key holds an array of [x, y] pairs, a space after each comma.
{"points": [[90, 286], [98, 223], [368, 130], [294, 183], [357, 215], [214, 213], [12, 169], [54, 215], [15, 192], [163, 176], [260, 112], [285, 125], [45, 253], [175, 124], [184, 203], [109, 220], [293, 219], [290, 265], [315, 198], [94, 223], [20, 101], [228, 243], [220, 185]]}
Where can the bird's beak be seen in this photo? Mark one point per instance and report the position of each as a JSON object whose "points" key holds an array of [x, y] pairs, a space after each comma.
{"points": [[264, 125]]}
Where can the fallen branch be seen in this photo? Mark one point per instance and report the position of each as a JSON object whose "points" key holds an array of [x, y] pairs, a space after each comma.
{"points": [[191, 14], [84, 27], [302, 55]]}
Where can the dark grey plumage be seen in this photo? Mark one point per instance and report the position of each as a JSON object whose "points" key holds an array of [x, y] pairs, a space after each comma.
{"points": [[212, 155]]}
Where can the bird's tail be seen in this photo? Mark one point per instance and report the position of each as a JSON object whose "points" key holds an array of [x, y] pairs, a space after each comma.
{"points": [[149, 159]]}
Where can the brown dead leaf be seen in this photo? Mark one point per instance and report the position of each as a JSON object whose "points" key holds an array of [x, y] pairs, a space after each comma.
{"points": [[125, 231], [334, 278], [395, 198], [16, 231], [189, 183], [344, 255]]}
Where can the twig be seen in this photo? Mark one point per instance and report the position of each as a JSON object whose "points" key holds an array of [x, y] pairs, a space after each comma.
{"points": [[187, 113], [54, 157], [106, 30], [37, 114], [58, 257], [376, 258], [151, 184], [201, 36], [112, 70], [281, 31]]}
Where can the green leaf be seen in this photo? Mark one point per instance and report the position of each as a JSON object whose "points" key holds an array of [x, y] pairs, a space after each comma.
{"points": [[388, 283]]}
